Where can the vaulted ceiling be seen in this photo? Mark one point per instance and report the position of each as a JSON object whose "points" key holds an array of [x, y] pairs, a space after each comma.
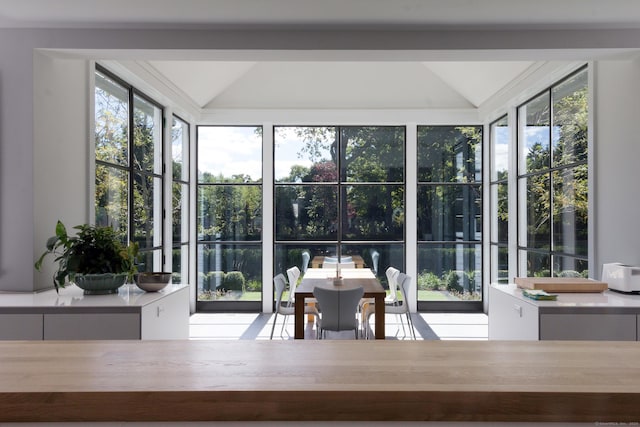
{"points": [[330, 84], [356, 85]]}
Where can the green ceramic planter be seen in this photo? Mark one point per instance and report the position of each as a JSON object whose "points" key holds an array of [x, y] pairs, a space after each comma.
{"points": [[100, 284]]}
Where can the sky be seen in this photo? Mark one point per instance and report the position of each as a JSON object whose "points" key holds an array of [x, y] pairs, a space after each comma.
{"points": [[233, 150]]}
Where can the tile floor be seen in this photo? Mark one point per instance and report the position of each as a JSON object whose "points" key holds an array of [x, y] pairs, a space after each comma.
{"points": [[257, 326]]}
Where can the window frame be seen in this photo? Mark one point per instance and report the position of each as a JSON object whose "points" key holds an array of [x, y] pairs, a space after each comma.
{"points": [[155, 250], [524, 250]]}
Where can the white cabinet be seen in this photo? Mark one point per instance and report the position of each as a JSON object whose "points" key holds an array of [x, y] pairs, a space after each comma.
{"points": [[574, 316], [70, 315], [510, 318], [20, 326], [166, 319], [92, 326], [575, 326]]}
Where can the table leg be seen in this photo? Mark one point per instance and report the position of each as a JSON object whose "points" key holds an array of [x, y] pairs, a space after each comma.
{"points": [[379, 306], [299, 317], [311, 317]]}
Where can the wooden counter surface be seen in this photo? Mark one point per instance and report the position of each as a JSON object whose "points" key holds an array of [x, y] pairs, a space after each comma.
{"points": [[569, 381]]}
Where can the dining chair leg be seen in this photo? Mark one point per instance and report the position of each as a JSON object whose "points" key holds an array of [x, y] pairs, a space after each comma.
{"points": [[274, 325], [404, 331], [411, 328]]}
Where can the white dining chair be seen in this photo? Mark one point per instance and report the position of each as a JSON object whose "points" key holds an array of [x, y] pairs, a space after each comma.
{"points": [[400, 308], [285, 310]]}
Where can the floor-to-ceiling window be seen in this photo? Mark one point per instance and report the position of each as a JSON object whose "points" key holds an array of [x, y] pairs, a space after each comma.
{"points": [[552, 180], [339, 191], [449, 217], [129, 166], [500, 141], [180, 200], [229, 224]]}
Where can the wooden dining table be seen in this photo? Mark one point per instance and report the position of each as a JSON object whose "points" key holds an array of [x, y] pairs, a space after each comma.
{"points": [[351, 278]]}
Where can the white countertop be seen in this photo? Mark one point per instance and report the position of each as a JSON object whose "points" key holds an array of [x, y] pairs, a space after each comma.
{"points": [[606, 299], [72, 296]]}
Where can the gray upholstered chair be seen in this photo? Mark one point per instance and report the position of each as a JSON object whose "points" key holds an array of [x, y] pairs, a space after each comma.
{"points": [[338, 308], [280, 284]]}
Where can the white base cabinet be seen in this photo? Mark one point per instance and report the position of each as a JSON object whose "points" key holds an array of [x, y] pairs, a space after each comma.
{"points": [[605, 316], [21, 326], [70, 315]]}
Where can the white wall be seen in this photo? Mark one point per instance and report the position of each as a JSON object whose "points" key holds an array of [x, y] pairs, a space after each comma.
{"points": [[61, 176], [16, 152], [616, 174], [21, 136]]}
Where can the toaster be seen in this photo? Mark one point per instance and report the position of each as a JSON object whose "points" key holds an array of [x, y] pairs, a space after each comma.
{"points": [[621, 277]]}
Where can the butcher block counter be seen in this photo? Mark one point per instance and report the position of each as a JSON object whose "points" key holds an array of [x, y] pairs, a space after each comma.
{"points": [[537, 381]]}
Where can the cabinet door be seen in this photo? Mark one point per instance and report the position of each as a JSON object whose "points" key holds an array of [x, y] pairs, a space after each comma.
{"points": [[606, 327], [511, 318], [167, 318], [20, 326], [92, 326]]}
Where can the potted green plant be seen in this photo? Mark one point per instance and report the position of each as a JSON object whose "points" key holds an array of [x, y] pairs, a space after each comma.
{"points": [[94, 259]]}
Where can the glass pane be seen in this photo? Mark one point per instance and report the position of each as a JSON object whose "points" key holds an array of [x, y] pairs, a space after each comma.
{"points": [[229, 212], [500, 213], [229, 154], [147, 136], [570, 267], [150, 260], [111, 199], [538, 211], [449, 212], [112, 121], [179, 218], [302, 255], [499, 264], [229, 272], [570, 120], [373, 212], [570, 210], [180, 264], [449, 272], [372, 154], [147, 211], [449, 153], [376, 256], [180, 149], [533, 129], [500, 142], [306, 212], [538, 265], [305, 154]]}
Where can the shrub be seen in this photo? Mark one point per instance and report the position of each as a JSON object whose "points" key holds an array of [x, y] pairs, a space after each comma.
{"points": [[233, 281], [428, 281], [569, 273], [452, 280], [253, 285]]}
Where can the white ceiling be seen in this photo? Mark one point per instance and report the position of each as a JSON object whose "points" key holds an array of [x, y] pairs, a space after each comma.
{"points": [[330, 84]]}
